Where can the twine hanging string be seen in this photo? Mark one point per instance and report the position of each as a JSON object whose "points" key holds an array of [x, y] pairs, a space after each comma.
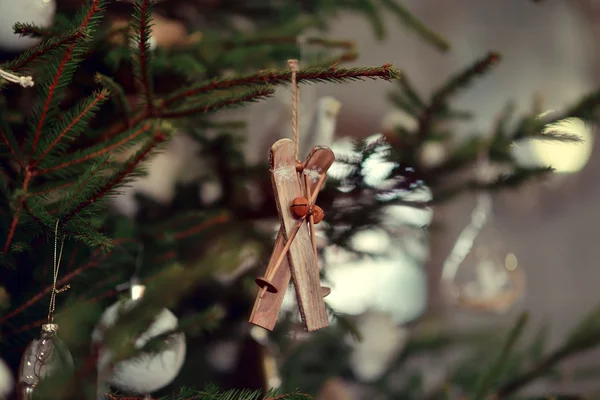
{"points": [[293, 64], [57, 259]]}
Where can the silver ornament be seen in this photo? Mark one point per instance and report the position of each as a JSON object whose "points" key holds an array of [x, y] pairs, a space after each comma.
{"points": [[42, 357]]}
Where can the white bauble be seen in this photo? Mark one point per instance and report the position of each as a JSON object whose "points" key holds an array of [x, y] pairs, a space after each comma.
{"points": [[148, 372], [39, 12], [7, 382], [432, 154], [178, 163], [381, 342], [564, 157]]}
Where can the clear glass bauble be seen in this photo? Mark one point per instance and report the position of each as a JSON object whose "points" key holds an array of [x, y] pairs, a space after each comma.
{"points": [[489, 278], [41, 358]]}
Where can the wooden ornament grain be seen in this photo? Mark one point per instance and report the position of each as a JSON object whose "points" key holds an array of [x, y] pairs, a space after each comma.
{"points": [[266, 307], [305, 272]]}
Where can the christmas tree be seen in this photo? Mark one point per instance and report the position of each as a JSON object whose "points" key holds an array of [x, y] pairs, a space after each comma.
{"points": [[96, 98]]}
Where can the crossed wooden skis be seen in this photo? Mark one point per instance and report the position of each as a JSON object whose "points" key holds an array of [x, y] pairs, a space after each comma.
{"points": [[296, 186]]}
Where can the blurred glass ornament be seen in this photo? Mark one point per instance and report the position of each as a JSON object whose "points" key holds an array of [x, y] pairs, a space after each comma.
{"points": [[38, 12], [479, 274], [6, 380], [149, 372], [41, 358], [432, 154]]}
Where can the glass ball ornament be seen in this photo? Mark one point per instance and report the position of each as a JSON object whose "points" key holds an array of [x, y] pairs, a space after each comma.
{"points": [[38, 12], [41, 358], [489, 278]]}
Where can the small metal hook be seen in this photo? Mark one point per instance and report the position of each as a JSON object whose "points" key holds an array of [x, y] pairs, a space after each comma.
{"points": [[136, 288]]}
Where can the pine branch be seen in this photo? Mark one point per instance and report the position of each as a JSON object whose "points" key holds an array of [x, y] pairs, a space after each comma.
{"points": [[10, 142], [42, 50], [100, 150], [79, 119], [440, 97], [92, 263], [218, 104], [31, 30], [17, 211], [487, 379], [116, 91], [127, 169], [333, 74], [585, 108], [385, 72], [64, 71], [141, 33], [213, 393]]}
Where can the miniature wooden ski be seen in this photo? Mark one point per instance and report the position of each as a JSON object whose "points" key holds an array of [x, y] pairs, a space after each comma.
{"points": [[278, 273]]}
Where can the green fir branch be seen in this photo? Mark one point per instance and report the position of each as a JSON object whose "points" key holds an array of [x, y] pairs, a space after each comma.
{"points": [[221, 103], [332, 74], [66, 129], [586, 108], [411, 22], [26, 29], [516, 178], [41, 50], [117, 178], [486, 382], [116, 91], [569, 349], [440, 98], [466, 77], [10, 142], [141, 33], [64, 68], [123, 141]]}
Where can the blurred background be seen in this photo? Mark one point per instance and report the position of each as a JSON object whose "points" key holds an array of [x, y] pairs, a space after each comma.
{"points": [[550, 60]]}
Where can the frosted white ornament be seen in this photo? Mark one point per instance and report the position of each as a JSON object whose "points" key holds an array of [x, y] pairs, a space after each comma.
{"points": [[382, 341], [564, 157], [7, 382], [146, 373], [39, 12], [432, 154]]}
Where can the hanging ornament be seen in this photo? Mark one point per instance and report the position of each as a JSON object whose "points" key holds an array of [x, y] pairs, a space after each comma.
{"points": [[38, 12], [146, 373], [479, 274], [6, 380], [432, 154], [382, 340], [296, 186], [47, 354]]}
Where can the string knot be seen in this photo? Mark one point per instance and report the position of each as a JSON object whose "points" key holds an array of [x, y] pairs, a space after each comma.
{"points": [[293, 64]]}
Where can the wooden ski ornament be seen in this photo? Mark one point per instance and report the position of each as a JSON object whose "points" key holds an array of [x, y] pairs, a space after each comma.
{"points": [[278, 273]]}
